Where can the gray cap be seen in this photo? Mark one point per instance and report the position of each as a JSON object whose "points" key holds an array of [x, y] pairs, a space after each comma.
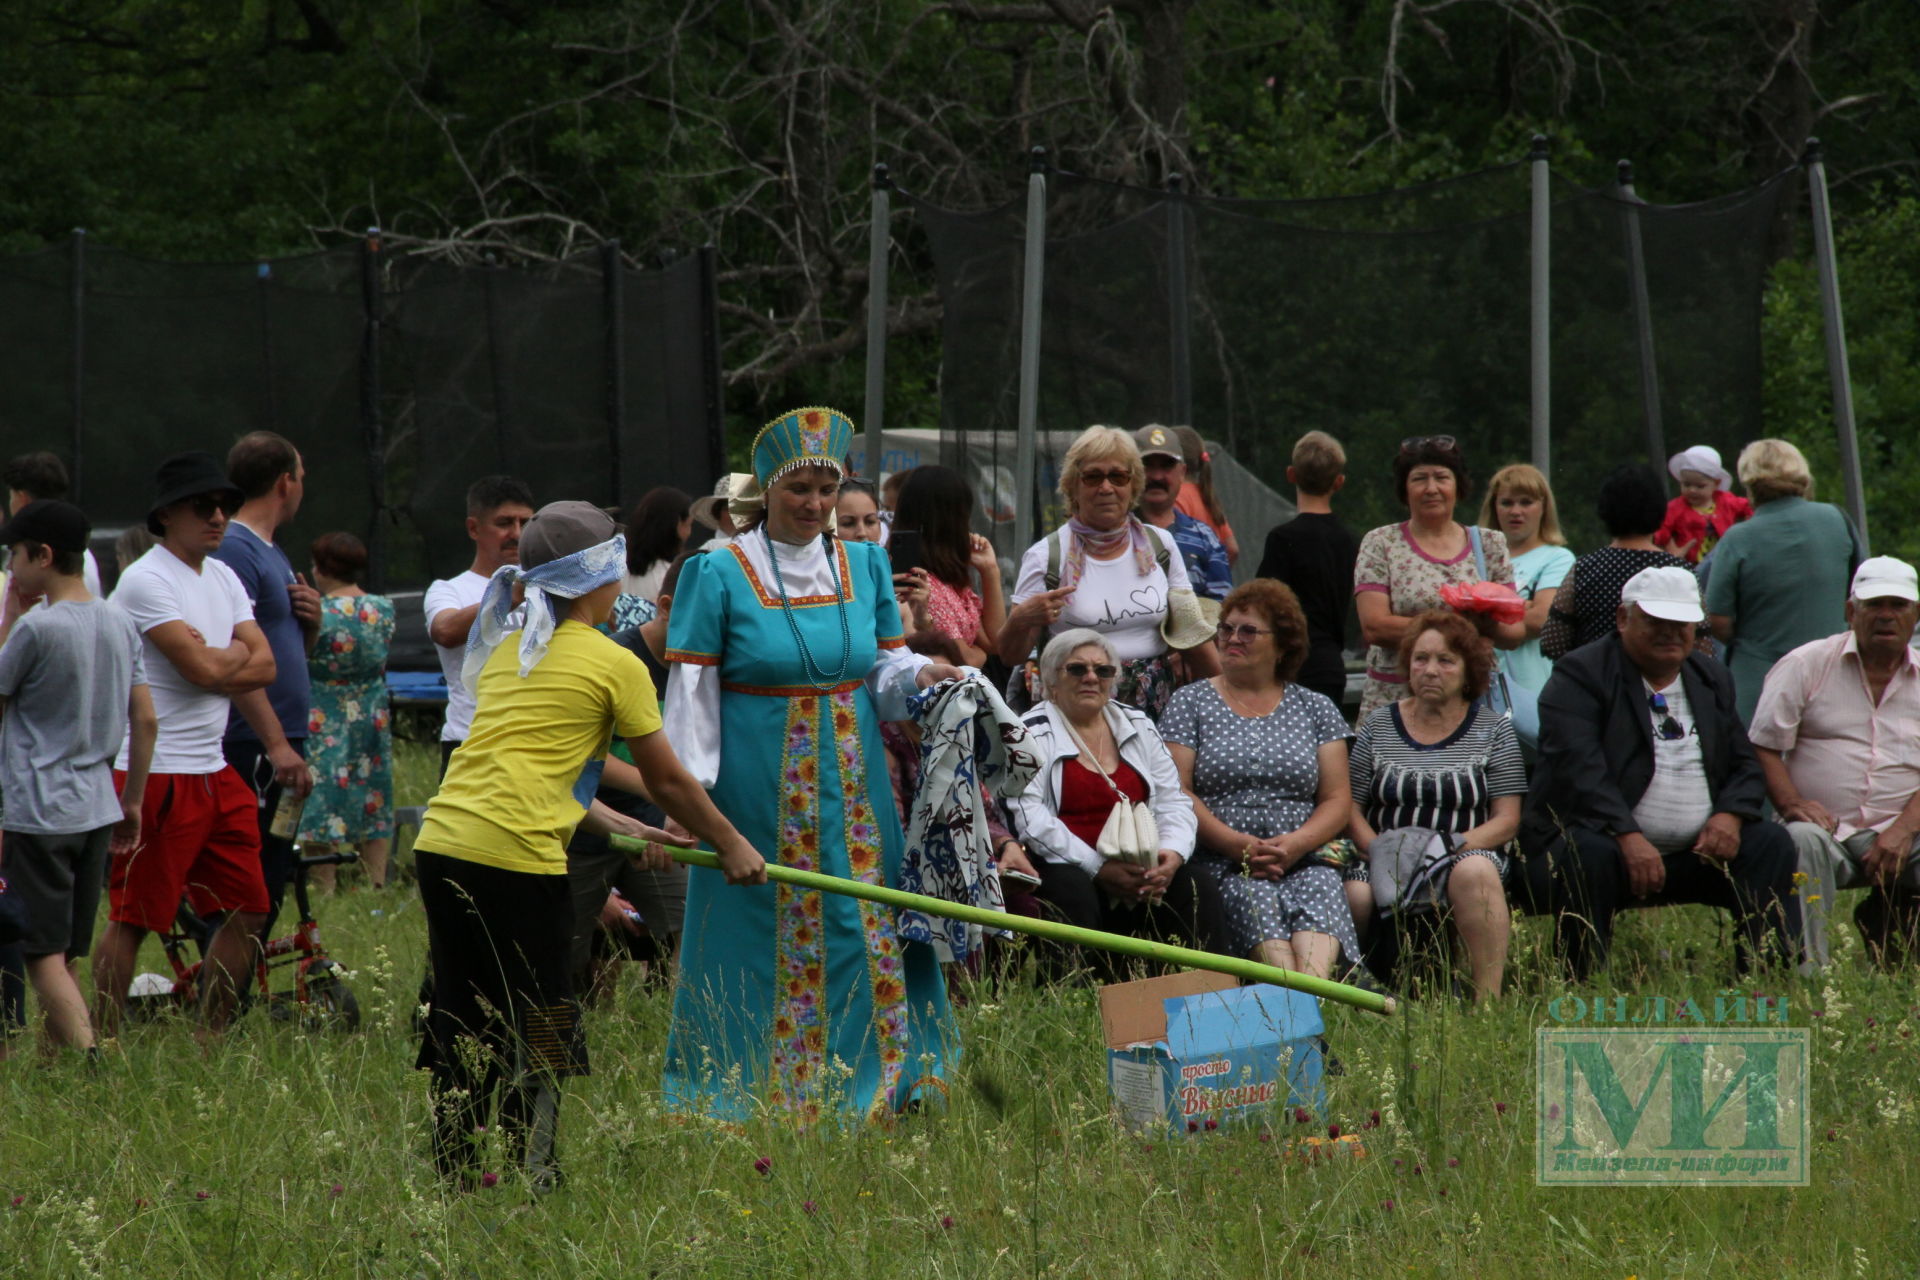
{"points": [[1154, 438], [562, 528]]}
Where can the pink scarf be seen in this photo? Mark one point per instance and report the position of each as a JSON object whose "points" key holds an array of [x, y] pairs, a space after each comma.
{"points": [[1082, 538]]}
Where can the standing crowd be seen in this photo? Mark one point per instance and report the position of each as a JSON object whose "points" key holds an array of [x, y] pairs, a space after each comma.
{"points": [[1721, 706]]}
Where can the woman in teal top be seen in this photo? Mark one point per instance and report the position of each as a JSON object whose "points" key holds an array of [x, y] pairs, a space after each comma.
{"points": [[1780, 579], [788, 652]]}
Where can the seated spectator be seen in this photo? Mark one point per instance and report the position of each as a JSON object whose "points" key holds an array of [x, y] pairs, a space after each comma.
{"points": [[1706, 507], [1838, 734], [1647, 791], [1630, 507], [72, 687], [1313, 553], [1436, 778], [1265, 760], [1199, 546], [1095, 751], [349, 730], [1780, 579]]}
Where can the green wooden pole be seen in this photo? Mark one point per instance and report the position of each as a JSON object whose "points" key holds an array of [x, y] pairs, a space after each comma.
{"points": [[1140, 948]]}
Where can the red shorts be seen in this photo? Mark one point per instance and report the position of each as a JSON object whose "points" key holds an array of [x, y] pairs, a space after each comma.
{"points": [[199, 836]]}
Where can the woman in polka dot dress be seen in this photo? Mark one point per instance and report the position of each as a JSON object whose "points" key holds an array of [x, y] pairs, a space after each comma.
{"points": [[1265, 760]]}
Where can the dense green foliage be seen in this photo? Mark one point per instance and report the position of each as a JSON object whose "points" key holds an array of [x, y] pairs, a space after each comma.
{"points": [[508, 130]]}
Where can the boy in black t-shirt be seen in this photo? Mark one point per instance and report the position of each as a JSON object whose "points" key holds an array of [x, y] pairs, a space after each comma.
{"points": [[1314, 553]]}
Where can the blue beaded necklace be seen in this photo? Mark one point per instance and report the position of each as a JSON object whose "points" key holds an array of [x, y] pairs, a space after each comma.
{"points": [[817, 676]]}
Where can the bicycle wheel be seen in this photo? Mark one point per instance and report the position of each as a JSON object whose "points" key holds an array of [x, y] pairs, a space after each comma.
{"points": [[330, 1005]]}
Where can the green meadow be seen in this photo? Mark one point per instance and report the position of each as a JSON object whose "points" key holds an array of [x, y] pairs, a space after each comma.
{"points": [[290, 1153]]}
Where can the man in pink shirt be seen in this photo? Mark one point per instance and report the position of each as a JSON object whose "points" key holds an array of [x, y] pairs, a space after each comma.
{"points": [[1837, 730]]}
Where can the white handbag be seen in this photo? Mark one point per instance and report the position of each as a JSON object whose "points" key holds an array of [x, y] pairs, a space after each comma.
{"points": [[1129, 834]]}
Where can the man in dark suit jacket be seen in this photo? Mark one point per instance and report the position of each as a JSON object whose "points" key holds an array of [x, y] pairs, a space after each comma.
{"points": [[1647, 787]]}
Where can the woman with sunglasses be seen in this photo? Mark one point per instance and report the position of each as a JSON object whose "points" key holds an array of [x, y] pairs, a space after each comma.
{"points": [[1094, 752], [1402, 566], [1109, 571], [1265, 760]]}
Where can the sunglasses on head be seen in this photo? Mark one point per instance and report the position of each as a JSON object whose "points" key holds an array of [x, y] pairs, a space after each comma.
{"points": [[1446, 444], [1671, 730], [1079, 670]]}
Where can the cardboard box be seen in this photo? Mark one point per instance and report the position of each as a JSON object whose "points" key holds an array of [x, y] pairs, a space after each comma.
{"points": [[1194, 1047]]}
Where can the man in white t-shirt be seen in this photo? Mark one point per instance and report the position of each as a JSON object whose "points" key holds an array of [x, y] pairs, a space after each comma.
{"points": [[498, 508], [1646, 788], [34, 476], [199, 824]]}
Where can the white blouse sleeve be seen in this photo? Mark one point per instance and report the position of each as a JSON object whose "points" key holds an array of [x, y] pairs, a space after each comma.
{"points": [[692, 715], [1037, 821], [893, 680]]}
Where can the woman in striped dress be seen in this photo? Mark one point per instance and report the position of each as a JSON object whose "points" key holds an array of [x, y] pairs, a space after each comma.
{"points": [[1437, 778]]}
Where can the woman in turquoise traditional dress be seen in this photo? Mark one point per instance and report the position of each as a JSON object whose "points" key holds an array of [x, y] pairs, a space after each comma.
{"points": [[788, 653]]}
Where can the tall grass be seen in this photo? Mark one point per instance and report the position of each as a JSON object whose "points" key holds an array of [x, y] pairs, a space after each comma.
{"points": [[282, 1153]]}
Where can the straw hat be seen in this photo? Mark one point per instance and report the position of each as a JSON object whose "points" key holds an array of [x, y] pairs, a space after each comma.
{"points": [[729, 491], [1191, 619]]}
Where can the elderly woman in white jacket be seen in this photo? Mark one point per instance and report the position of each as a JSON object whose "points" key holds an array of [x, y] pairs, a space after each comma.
{"points": [[1094, 752]]}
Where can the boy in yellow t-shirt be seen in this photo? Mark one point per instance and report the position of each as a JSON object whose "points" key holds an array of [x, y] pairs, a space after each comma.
{"points": [[491, 854]]}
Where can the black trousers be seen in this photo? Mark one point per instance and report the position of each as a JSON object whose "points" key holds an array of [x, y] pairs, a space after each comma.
{"points": [[1188, 915], [1581, 880]]}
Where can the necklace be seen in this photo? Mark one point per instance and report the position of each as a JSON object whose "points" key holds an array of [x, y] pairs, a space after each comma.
{"points": [[816, 675], [1226, 687]]}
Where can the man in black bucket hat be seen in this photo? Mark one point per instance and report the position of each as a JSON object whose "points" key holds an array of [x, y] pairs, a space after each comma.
{"points": [[200, 836]]}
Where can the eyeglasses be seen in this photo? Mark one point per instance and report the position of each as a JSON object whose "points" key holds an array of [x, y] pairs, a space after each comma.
{"points": [[1078, 670], [207, 503], [1670, 729], [1446, 444], [1241, 632], [1094, 479]]}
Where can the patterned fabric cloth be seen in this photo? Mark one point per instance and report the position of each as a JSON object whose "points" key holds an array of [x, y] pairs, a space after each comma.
{"points": [[1083, 537], [1390, 561], [970, 742], [349, 735], [1583, 610]]}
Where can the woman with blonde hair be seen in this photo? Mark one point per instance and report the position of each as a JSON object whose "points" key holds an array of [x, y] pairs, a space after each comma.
{"points": [[1779, 579], [1519, 503], [1110, 571]]}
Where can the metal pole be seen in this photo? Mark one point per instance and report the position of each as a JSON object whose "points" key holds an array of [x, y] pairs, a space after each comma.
{"points": [[1836, 331], [879, 240], [1541, 386], [77, 372], [1178, 306], [373, 432], [716, 418], [1054, 930], [1026, 457], [263, 298], [616, 323], [1642, 321]]}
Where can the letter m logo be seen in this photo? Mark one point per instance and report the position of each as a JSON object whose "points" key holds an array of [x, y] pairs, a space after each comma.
{"points": [[1678, 1104]]}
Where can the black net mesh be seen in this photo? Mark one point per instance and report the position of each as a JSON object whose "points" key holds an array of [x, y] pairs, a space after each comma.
{"points": [[477, 371], [1374, 318]]}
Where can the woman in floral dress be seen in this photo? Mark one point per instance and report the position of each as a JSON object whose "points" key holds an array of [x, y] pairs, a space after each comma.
{"points": [[349, 732]]}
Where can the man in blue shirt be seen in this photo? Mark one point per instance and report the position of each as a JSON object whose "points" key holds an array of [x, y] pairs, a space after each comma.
{"points": [[1199, 546], [267, 733]]}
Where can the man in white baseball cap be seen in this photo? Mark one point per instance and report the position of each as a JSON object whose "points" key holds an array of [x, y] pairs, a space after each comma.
{"points": [[1647, 789], [1838, 733]]}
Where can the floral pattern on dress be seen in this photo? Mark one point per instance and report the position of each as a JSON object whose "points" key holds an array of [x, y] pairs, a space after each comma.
{"points": [[349, 728], [800, 965], [885, 972], [953, 611], [1390, 561]]}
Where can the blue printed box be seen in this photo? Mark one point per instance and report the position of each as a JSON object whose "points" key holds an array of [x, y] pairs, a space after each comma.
{"points": [[1192, 1048]]}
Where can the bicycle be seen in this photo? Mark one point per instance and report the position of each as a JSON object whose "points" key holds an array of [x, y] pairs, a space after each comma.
{"points": [[319, 998]]}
